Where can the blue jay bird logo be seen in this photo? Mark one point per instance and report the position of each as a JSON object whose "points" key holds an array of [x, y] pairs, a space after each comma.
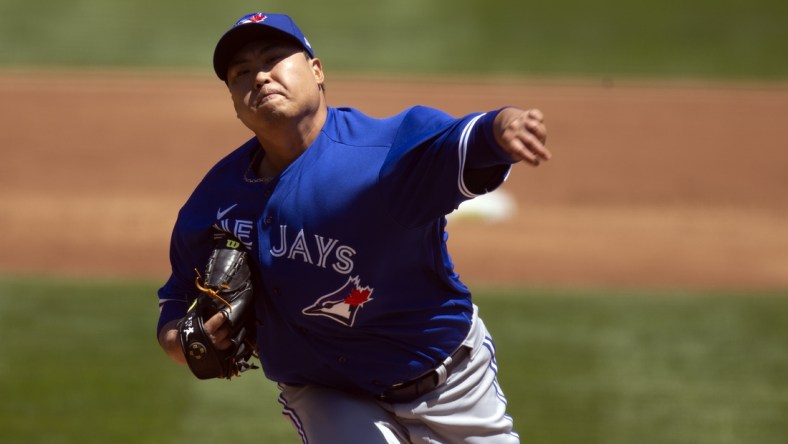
{"points": [[343, 304]]}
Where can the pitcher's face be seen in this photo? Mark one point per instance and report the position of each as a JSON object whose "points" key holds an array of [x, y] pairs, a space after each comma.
{"points": [[274, 79]]}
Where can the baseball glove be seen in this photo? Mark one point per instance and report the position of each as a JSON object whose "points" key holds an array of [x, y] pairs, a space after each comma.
{"points": [[227, 288]]}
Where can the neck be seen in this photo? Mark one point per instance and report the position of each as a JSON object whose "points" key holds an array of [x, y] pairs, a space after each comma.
{"points": [[285, 141]]}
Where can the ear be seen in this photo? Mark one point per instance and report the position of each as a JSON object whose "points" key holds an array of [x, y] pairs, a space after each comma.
{"points": [[317, 70]]}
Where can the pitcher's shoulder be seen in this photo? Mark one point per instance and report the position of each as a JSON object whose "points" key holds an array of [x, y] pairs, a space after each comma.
{"points": [[353, 127]]}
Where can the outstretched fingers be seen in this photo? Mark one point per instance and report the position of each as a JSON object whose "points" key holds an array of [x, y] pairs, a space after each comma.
{"points": [[523, 135]]}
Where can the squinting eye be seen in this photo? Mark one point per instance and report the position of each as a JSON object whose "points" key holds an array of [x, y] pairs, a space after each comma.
{"points": [[274, 59]]}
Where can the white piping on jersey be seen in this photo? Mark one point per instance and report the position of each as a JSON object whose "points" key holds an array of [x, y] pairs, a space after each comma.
{"points": [[463, 150]]}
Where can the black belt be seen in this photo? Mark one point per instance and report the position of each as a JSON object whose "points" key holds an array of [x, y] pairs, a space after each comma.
{"points": [[415, 388]]}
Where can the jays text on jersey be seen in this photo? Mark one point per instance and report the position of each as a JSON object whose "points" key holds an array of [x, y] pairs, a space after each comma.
{"points": [[355, 288]]}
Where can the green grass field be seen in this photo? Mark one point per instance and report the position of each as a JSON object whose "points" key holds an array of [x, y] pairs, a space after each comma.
{"points": [[728, 39], [81, 365]]}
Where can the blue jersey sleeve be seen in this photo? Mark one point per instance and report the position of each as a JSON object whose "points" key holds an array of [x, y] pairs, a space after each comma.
{"points": [[179, 291], [192, 237], [436, 162]]}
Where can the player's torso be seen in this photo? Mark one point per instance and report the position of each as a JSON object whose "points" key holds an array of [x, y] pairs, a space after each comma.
{"points": [[323, 234], [346, 290], [339, 269]]}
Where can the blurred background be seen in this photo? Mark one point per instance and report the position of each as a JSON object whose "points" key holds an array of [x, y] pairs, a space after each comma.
{"points": [[635, 285]]}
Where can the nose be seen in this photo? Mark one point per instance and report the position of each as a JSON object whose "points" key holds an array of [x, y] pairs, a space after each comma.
{"points": [[261, 78]]}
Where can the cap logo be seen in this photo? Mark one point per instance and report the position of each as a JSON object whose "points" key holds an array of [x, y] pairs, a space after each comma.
{"points": [[252, 18]]}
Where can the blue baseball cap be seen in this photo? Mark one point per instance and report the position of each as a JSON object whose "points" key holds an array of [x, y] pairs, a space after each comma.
{"points": [[250, 27]]}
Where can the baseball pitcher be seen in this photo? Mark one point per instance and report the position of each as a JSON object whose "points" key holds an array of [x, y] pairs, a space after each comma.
{"points": [[329, 227]]}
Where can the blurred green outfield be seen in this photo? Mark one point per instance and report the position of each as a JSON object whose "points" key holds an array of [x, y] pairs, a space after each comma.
{"points": [[729, 39], [80, 365], [80, 362]]}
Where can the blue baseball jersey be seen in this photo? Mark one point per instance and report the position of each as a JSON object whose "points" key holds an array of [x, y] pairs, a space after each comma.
{"points": [[354, 286]]}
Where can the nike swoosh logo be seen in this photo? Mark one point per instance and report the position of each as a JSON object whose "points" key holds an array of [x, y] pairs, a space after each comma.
{"points": [[221, 213]]}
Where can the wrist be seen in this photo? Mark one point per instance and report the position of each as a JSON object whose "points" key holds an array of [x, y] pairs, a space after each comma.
{"points": [[170, 342]]}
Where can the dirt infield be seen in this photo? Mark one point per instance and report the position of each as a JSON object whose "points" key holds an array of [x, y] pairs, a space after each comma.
{"points": [[657, 185]]}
